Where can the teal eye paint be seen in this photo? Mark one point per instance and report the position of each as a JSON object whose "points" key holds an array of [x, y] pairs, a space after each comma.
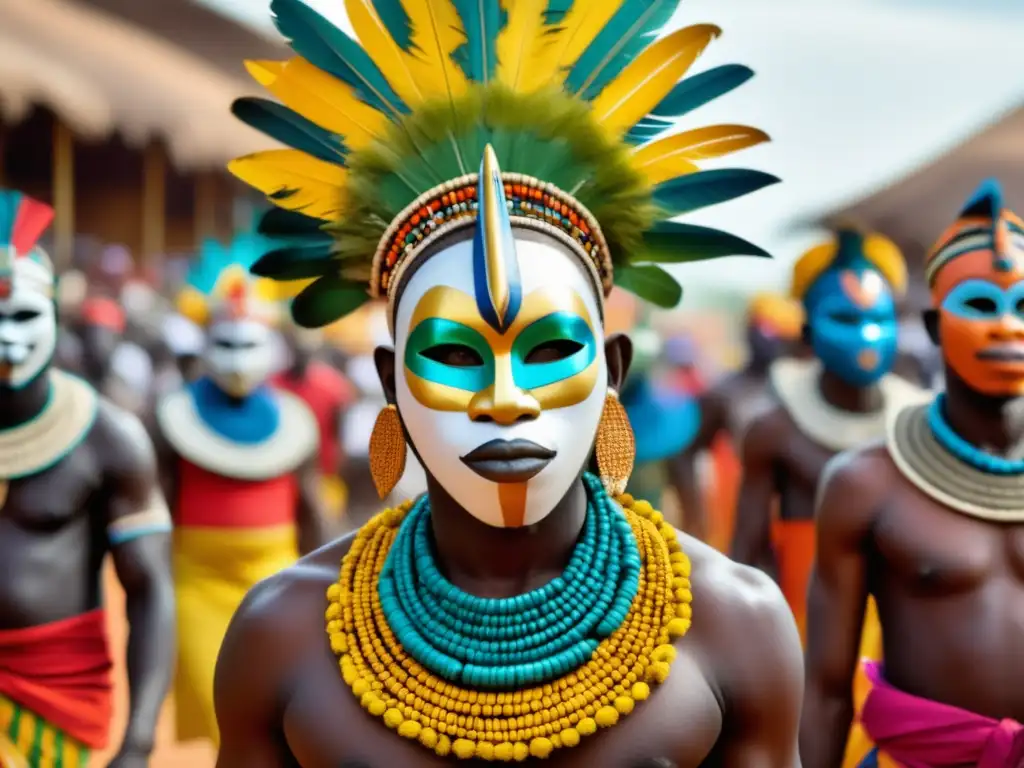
{"points": [[437, 331], [558, 326]]}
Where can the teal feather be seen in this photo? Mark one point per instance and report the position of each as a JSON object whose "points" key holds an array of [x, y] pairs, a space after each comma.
{"points": [[330, 297], [674, 242], [647, 129], [631, 29], [295, 262], [10, 203], [706, 188], [327, 47], [213, 258], [651, 283], [556, 11], [482, 22], [698, 90], [290, 128], [396, 21]]}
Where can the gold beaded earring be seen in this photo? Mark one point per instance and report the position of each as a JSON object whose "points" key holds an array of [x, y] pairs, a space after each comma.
{"points": [[387, 451], [616, 445]]}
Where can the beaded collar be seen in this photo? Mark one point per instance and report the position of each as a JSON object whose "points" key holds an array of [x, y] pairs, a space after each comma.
{"points": [[944, 475], [505, 679], [967, 453]]}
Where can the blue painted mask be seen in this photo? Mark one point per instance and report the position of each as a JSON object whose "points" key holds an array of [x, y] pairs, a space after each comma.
{"points": [[852, 317]]}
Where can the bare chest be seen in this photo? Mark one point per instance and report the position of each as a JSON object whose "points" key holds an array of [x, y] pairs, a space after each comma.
{"points": [[679, 725], [47, 502], [798, 469]]}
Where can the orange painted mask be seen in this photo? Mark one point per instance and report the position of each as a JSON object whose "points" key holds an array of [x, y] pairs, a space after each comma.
{"points": [[976, 273]]}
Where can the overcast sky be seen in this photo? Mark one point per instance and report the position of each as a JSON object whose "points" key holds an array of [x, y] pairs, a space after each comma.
{"points": [[853, 92]]}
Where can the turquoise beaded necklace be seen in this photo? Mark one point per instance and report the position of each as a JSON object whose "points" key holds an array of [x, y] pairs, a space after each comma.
{"points": [[526, 640], [961, 449]]}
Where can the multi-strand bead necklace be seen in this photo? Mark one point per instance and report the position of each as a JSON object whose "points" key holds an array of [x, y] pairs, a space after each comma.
{"points": [[509, 678]]}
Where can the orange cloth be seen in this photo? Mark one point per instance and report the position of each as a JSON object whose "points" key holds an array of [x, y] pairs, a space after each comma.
{"points": [[61, 672], [794, 544], [723, 494]]}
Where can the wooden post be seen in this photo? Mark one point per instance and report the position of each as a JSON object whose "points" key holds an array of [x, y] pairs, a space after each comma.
{"points": [[204, 211], [154, 201], [63, 195], [3, 148]]}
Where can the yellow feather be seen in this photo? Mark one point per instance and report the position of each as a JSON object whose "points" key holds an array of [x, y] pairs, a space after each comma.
{"points": [[580, 26], [390, 59], [642, 85], [524, 46], [317, 188], [436, 33], [321, 98], [699, 144], [665, 168]]}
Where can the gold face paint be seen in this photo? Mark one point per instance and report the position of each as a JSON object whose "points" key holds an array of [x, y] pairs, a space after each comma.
{"points": [[492, 375]]}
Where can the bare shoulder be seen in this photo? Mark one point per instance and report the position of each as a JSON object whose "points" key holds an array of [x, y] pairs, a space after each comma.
{"points": [[853, 485], [765, 432], [120, 440], [744, 628]]}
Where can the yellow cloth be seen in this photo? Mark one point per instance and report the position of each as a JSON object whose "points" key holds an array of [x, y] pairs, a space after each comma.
{"points": [[28, 741], [857, 743], [334, 494], [213, 569]]}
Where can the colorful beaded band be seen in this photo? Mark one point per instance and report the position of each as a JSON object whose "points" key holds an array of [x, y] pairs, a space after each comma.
{"points": [[453, 205]]}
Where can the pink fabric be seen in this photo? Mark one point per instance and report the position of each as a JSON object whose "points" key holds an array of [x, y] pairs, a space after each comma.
{"points": [[918, 733]]}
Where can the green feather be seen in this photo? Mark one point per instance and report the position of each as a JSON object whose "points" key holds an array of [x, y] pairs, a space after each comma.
{"points": [[706, 188], [396, 21], [284, 224], [482, 22], [651, 283], [673, 242], [289, 127], [698, 90], [557, 10], [324, 45], [631, 29], [329, 298], [295, 262]]}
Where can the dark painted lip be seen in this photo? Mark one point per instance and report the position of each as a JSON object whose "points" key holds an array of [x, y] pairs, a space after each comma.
{"points": [[1002, 354], [508, 461]]}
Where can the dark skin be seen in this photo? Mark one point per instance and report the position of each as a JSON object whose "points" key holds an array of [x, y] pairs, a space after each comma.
{"points": [[309, 518], [783, 465], [53, 533], [725, 408], [949, 587], [728, 702]]}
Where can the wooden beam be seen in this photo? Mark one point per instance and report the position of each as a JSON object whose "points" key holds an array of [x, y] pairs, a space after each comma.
{"points": [[63, 195], [154, 204], [204, 212]]}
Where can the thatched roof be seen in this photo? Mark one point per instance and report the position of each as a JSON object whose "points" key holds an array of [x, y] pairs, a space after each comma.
{"points": [[101, 73]]}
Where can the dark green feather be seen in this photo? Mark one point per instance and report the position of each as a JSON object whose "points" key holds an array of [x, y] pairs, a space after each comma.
{"points": [[396, 21], [284, 224], [328, 299], [290, 128], [631, 29], [295, 262], [673, 242], [324, 45], [706, 188], [698, 90], [482, 22], [651, 283]]}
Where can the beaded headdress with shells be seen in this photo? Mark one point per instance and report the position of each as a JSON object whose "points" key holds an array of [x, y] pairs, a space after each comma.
{"points": [[574, 101], [22, 222]]}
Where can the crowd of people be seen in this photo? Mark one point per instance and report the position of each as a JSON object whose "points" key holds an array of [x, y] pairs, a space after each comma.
{"points": [[510, 535]]}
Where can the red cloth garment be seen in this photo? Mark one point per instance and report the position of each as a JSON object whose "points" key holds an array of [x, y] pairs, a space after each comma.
{"points": [[324, 390], [206, 499], [918, 733], [61, 672]]}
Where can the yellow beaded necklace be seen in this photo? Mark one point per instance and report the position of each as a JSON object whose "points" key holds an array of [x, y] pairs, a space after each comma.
{"points": [[508, 725]]}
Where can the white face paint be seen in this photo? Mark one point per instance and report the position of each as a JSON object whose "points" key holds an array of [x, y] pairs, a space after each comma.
{"points": [[240, 355], [559, 413], [28, 324]]}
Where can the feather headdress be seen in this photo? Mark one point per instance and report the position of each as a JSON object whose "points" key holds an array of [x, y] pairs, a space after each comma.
{"points": [[219, 283], [387, 134], [22, 222]]}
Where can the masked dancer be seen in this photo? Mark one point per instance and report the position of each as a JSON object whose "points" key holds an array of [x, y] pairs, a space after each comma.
{"points": [[78, 480], [520, 605], [239, 464], [931, 524]]}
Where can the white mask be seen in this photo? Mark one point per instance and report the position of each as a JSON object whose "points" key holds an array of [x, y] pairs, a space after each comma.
{"points": [[241, 354], [461, 384], [28, 323]]}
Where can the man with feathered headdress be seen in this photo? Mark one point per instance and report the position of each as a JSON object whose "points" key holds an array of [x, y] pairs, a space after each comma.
{"points": [[473, 165], [78, 481], [239, 467]]}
